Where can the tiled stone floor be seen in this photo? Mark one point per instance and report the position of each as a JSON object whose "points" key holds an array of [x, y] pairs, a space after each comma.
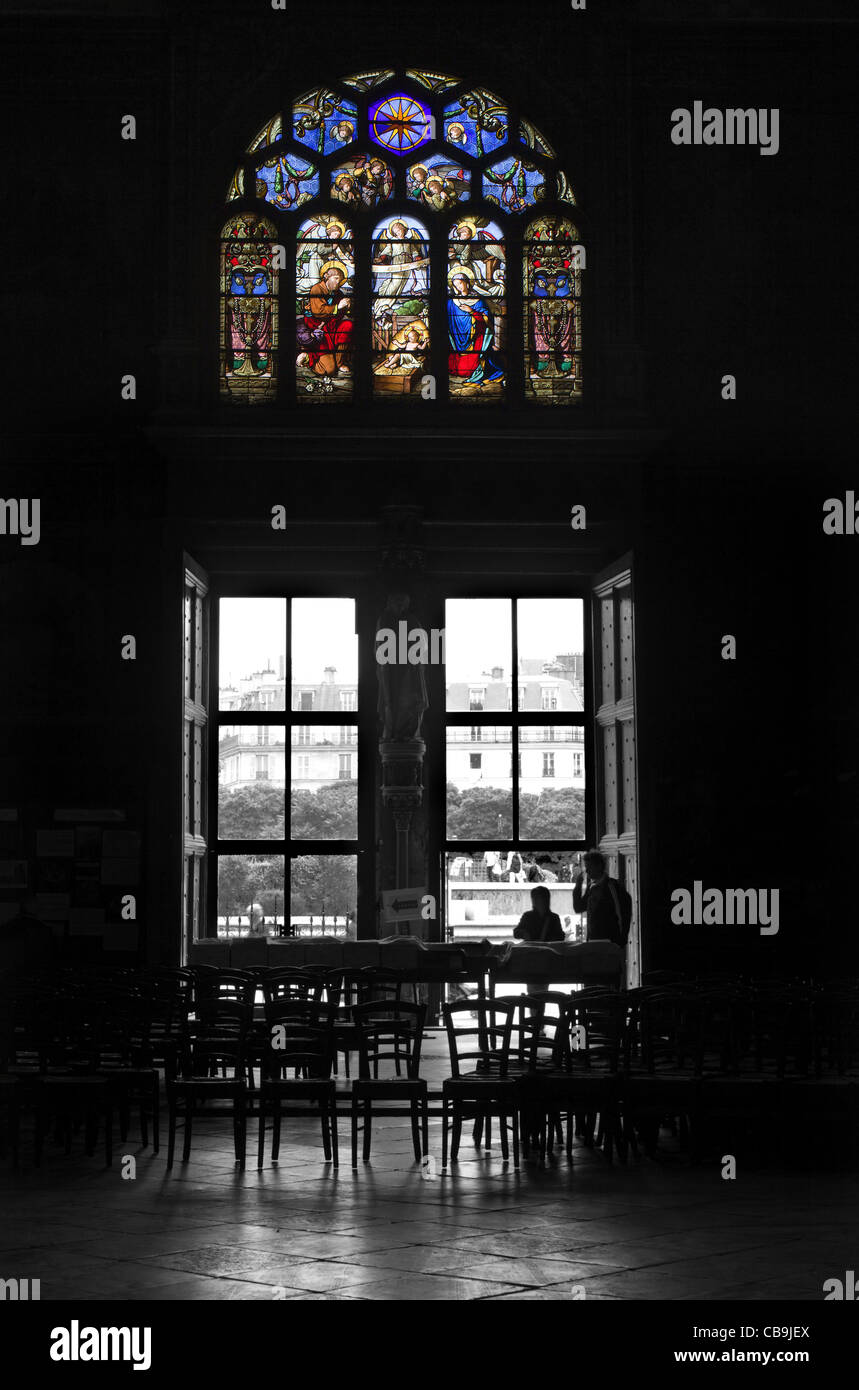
{"points": [[301, 1231]]}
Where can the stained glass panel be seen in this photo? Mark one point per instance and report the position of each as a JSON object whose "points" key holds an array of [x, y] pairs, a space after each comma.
{"points": [[438, 183], [552, 290], [514, 184], [530, 136], [270, 132], [324, 121], [287, 181], [476, 309], [366, 81], [476, 122], [249, 309], [362, 181], [324, 278], [433, 81], [400, 123], [400, 313], [237, 186], [565, 192]]}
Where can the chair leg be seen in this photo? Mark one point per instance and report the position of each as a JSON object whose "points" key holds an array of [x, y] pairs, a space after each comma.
{"points": [[425, 1126], [275, 1130], [354, 1133], [326, 1130], [368, 1129], [515, 1141], [335, 1144], [261, 1138], [186, 1138], [240, 1121], [156, 1115], [171, 1130], [457, 1129], [477, 1130], [416, 1134], [502, 1125], [445, 1120]]}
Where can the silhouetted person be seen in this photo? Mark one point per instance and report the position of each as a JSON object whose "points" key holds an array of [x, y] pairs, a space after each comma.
{"points": [[540, 924], [606, 902]]}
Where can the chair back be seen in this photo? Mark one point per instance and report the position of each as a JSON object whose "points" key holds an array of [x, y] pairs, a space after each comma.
{"points": [[300, 1039], [479, 1033], [390, 1033]]}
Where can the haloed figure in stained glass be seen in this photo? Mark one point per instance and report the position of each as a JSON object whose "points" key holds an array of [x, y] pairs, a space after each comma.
{"points": [[324, 331], [472, 363]]}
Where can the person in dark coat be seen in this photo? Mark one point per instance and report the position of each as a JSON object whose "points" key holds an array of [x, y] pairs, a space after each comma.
{"points": [[606, 902], [540, 924]]}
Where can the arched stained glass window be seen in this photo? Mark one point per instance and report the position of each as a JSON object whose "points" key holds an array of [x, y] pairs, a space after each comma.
{"points": [[386, 210]]}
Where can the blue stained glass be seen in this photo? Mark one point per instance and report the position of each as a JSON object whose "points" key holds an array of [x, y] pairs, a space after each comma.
{"points": [[400, 123], [325, 121], [513, 184], [476, 122], [438, 182], [287, 182]]}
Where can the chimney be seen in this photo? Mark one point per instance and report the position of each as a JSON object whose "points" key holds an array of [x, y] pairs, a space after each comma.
{"points": [[281, 668], [498, 673], [330, 673]]}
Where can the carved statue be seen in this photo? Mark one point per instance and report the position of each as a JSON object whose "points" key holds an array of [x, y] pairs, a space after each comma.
{"points": [[402, 687]]}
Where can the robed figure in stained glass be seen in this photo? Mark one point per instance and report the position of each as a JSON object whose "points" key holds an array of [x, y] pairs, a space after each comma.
{"points": [[471, 329], [324, 332]]}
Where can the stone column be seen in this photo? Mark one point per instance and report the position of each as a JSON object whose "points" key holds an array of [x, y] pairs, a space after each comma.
{"points": [[402, 790]]}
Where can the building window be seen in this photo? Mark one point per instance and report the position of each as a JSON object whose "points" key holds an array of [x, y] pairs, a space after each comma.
{"points": [[348, 699], [577, 764], [476, 697], [476, 733], [549, 698], [548, 764], [285, 854], [474, 761], [362, 291]]}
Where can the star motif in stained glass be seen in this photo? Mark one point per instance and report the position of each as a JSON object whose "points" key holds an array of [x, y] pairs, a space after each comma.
{"points": [[400, 123]]}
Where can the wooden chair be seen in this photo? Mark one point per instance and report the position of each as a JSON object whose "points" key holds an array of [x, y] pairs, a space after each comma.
{"points": [[389, 1033], [301, 1042], [213, 1067], [479, 1085]]}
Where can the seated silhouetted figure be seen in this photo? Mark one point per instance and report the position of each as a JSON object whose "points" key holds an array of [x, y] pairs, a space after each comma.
{"points": [[540, 924]]}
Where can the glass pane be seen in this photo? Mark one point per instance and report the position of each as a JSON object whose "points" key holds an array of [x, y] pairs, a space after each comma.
{"points": [[362, 181], [324, 655], [438, 182], [324, 798], [287, 181], [251, 781], [250, 894], [476, 122], [478, 648], [324, 899], [324, 278], [488, 891], [479, 784], [249, 309], [551, 660], [252, 654], [400, 307], [400, 123], [514, 184], [552, 271], [552, 783], [324, 121], [476, 309]]}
